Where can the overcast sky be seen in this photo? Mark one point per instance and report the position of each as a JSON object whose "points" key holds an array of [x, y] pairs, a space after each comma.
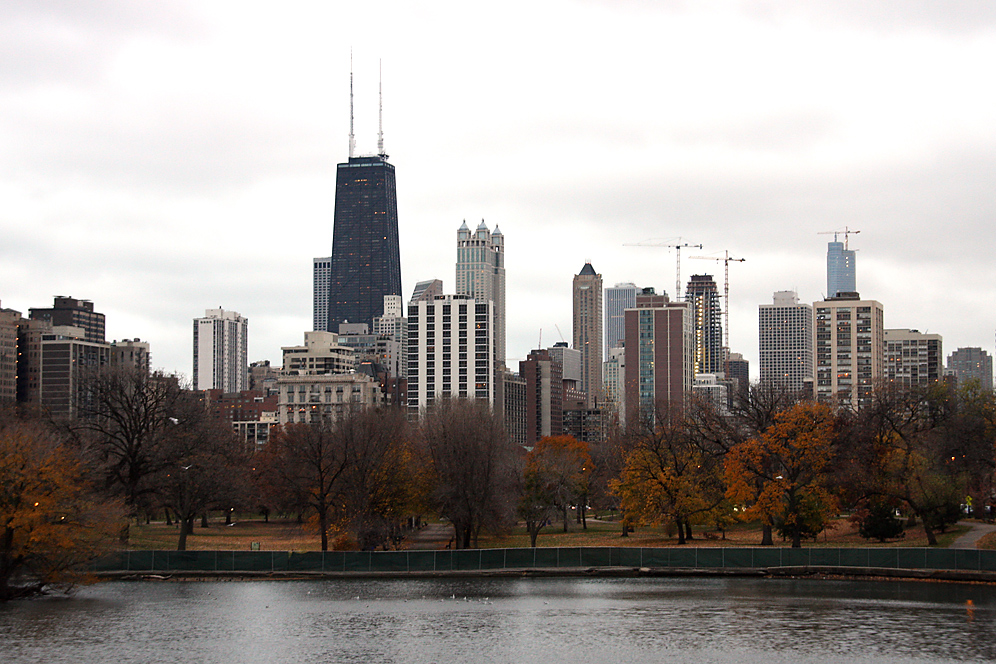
{"points": [[162, 158]]}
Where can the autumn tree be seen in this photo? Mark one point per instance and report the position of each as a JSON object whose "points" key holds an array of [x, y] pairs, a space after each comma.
{"points": [[781, 476], [667, 476], [557, 476], [475, 469], [307, 462], [384, 481], [51, 522]]}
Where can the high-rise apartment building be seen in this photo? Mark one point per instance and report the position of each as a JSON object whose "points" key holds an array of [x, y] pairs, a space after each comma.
{"points": [[322, 281], [972, 364], [131, 354], [426, 290], [544, 395], [785, 340], [614, 381], [912, 357], [659, 345], [9, 320], [322, 353], [618, 299], [702, 294], [450, 350], [68, 311], [221, 350], [841, 268], [480, 274], [738, 372], [850, 346], [588, 331]]}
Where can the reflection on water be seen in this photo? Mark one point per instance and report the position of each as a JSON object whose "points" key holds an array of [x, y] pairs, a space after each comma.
{"points": [[506, 620]]}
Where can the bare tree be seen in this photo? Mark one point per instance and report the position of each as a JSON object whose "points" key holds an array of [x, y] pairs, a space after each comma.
{"points": [[474, 466]]}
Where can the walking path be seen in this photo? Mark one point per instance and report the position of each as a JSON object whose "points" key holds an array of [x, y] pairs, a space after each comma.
{"points": [[969, 539], [432, 536]]}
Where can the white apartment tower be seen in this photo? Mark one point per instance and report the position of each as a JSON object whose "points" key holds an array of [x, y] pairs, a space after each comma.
{"points": [[785, 340], [480, 274], [850, 349], [450, 350], [221, 351]]}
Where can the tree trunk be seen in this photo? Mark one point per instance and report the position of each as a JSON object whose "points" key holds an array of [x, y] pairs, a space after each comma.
{"points": [[204, 520], [169, 522], [323, 523], [228, 517], [688, 530], [186, 525], [681, 531], [797, 537], [766, 535], [564, 514], [931, 539]]}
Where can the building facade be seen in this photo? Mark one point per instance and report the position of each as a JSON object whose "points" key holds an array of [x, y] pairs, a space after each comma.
{"points": [[841, 270], [317, 398], [702, 294], [912, 357], [9, 321], [785, 342], [366, 260], [132, 354], [618, 299], [972, 364], [450, 350], [221, 350], [70, 312], [480, 274], [587, 291], [658, 353], [321, 353], [850, 349], [544, 395]]}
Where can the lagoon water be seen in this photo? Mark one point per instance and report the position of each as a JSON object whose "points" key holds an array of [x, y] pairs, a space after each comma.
{"points": [[552, 621]]}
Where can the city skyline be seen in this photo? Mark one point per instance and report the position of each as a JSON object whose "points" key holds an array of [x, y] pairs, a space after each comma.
{"points": [[164, 151]]}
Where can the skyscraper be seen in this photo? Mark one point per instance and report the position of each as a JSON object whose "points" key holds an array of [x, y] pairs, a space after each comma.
{"points": [[221, 351], [840, 269], [75, 313], [703, 295], [658, 356], [366, 260], [618, 299], [480, 273], [850, 349], [588, 331], [785, 340]]}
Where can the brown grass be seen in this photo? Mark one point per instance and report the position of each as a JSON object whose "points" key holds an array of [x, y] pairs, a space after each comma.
{"points": [[283, 535]]}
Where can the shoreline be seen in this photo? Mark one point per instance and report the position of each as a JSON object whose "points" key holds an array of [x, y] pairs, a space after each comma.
{"points": [[815, 572]]}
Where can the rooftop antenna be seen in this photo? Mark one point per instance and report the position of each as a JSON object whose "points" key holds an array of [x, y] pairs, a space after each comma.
{"points": [[380, 116], [352, 138]]}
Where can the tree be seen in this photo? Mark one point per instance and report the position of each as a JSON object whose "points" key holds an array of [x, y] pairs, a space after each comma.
{"points": [[781, 475], [307, 463], [51, 522], [475, 469], [898, 451], [564, 466], [667, 477], [205, 466], [122, 425]]}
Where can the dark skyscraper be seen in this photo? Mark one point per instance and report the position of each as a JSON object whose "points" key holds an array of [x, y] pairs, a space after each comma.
{"points": [[366, 260]]}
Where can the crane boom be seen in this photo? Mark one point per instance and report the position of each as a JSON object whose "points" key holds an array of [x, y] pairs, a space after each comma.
{"points": [[726, 295], [677, 248]]}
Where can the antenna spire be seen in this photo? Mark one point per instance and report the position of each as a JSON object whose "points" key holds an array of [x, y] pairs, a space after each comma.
{"points": [[380, 116], [352, 138]]}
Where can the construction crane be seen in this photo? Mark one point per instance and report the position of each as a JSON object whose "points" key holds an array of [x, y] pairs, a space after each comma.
{"points": [[847, 231], [726, 295], [677, 248]]}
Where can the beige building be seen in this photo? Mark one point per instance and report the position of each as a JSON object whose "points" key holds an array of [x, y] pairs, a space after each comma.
{"points": [[315, 398], [849, 347], [588, 331], [131, 354], [912, 357], [320, 354], [9, 320]]}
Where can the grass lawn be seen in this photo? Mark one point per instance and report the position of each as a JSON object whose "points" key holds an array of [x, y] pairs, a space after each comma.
{"points": [[284, 535]]}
